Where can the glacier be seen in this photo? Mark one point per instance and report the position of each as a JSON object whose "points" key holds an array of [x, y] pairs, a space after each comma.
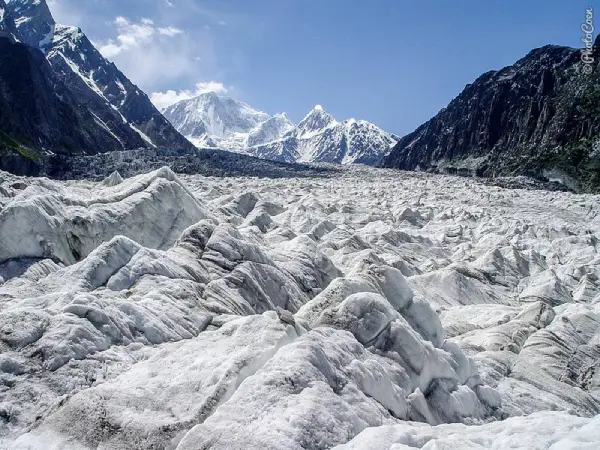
{"points": [[366, 308]]}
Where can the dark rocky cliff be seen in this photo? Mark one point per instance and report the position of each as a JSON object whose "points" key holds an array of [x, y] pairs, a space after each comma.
{"points": [[38, 114], [538, 117]]}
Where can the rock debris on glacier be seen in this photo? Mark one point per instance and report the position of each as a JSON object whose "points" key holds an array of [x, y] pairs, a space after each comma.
{"points": [[367, 310]]}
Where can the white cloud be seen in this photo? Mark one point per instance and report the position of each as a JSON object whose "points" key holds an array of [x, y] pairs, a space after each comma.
{"points": [[163, 48], [134, 35], [163, 99], [170, 31], [154, 55]]}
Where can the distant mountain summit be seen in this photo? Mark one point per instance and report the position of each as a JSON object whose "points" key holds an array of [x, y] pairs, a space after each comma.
{"points": [[319, 137], [315, 122], [214, 121], [211, 120], [539, 117], [68, 74]]}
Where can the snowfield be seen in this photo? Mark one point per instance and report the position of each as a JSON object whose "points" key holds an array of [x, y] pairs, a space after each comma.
{"points": [[373, 309]]}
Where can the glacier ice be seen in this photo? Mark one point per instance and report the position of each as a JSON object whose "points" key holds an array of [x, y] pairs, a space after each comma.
{"points": [[370, 309], [541, 430]]}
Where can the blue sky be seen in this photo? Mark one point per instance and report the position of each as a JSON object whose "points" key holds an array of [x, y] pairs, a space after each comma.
{"points": [[393, 62]]}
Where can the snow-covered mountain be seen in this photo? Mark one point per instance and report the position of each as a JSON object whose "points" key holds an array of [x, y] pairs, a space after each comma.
{"points": [[321, 138], [315, 122], [116, 103], [210, 120]]}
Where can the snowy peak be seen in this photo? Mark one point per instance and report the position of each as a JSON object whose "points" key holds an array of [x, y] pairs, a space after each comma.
{"points": [[224, 116], [33, 20], [213, 120], [367, 143], [316, 120]]}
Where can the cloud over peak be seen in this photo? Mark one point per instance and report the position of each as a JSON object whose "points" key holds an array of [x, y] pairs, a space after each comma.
{"points": [[164, 99]]}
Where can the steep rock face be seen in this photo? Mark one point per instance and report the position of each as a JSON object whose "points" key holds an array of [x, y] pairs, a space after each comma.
{"points": [[118, 103], [37, 112], [74, 67], [34, 21], [535, 117]]}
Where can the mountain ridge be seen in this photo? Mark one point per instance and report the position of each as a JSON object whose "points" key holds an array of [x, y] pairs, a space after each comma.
{"points": [[211, 120], [320, 138], [536, 117]]}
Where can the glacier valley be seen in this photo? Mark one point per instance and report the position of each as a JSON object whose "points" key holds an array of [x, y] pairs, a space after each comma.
{"points": [[373, 309]]}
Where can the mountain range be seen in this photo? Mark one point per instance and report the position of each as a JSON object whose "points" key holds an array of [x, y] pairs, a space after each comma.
{"points": [[213, 121], [60, 95]]}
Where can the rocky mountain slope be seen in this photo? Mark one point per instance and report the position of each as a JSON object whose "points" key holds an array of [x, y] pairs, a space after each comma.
{"points": [[539, 117], [190, 312], [214, 121], [119, 115], [37, 111]]}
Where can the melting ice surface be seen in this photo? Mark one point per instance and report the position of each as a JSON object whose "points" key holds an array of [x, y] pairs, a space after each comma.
{"points": [[373, 310]]}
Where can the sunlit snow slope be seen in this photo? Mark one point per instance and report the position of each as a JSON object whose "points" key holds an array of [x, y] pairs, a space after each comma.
{"points": [[367, 311]]}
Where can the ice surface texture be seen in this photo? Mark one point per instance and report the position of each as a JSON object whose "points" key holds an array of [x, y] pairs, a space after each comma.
{"points": [[375, 310]]}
